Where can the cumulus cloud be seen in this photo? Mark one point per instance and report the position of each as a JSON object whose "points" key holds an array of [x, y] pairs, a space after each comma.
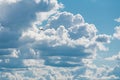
{"points": [[65, 43], [52, 73], [55, 49], [22, 13], [65, 18], [18, 15]]}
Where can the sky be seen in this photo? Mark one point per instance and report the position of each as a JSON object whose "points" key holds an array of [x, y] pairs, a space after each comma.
{"points": [[59, 40]]}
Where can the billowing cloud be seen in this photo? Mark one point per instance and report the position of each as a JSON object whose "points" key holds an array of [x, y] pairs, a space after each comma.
{"points": [[18, 15], [39, 42], [65, 42], [22, 13]]}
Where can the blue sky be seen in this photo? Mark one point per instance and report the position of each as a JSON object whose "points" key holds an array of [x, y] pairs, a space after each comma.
{"points": [[59, 39]]}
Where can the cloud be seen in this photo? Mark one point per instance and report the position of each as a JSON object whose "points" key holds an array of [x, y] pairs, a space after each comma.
{"points": [[117, 20], [56, 47], [116, 72], [116, 69], [65, 43], [43, 72], [14, 15], [114, 57], [18, 15], [37, 41], [117, 32]]}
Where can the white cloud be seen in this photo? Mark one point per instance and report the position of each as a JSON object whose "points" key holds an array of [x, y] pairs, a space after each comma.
{"points": [[117, 20], [70, 39], [117, 32], [58, 51], [66, 19], [18, 15], [114, 57], [14, 15], [8, 1], [47, 72]]}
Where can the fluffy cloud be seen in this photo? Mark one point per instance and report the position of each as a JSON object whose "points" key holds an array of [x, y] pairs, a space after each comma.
{"points": [[62, 47], [22, 13], [75, 24], [43, 72], [116, 72], [18, 15], [65, 42], [66, 19], [117, 32], [56, 47]]}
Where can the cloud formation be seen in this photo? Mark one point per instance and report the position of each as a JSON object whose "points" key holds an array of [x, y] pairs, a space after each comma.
{"points": [[37, 41], [18, 15], [65, 42], [117, 32], [23, 12], [116, 69]]}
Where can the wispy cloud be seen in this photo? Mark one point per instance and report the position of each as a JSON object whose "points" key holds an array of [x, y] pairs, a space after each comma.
{"points": [[117, 20]]}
